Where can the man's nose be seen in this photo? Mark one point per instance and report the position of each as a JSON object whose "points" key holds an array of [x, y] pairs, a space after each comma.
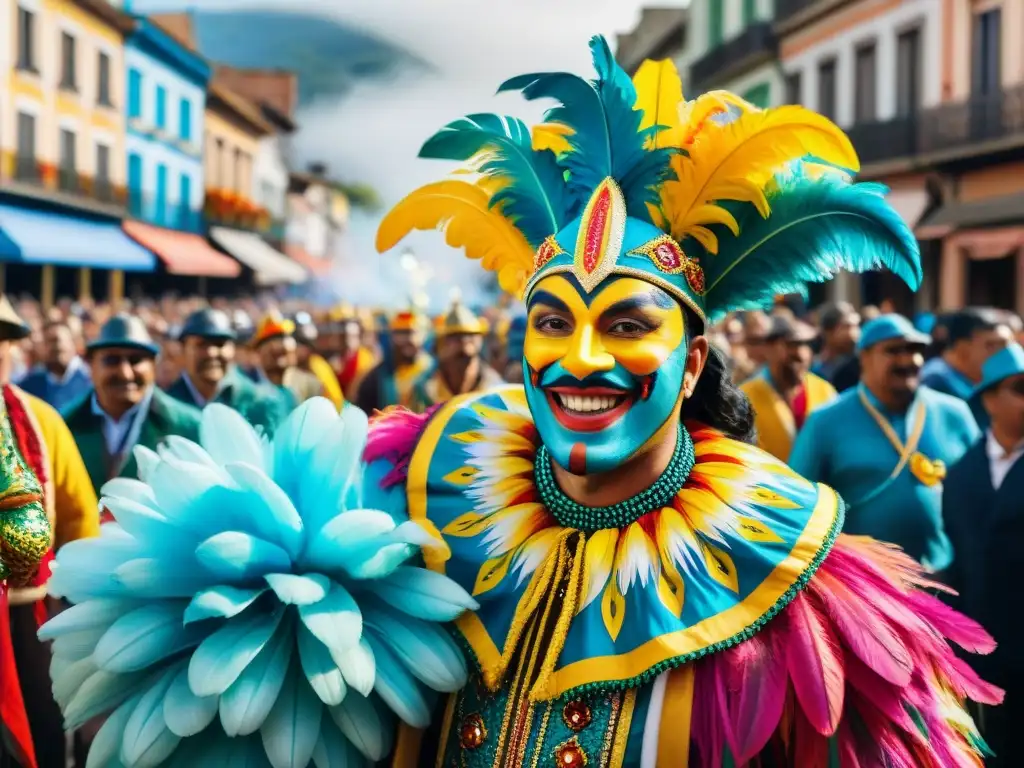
{"points": [[586, 354]]}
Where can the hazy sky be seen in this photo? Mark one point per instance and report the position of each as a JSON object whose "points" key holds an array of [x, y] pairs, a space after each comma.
{"points": [[373, 134]]}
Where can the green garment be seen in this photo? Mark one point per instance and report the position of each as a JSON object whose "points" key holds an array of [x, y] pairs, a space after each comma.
{"points": [[259, 404]]}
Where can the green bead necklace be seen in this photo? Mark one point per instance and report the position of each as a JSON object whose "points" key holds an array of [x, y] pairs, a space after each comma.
{"points": [[572, 514]]}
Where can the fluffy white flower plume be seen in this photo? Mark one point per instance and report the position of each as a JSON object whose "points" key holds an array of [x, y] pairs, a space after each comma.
{"points": [[245, 610]]}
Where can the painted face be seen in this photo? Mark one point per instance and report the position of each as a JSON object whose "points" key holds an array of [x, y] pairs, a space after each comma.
{"points": [[604, 371]]}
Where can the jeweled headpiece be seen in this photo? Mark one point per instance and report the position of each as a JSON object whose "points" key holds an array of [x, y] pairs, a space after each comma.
{"points": [[720, 203]]}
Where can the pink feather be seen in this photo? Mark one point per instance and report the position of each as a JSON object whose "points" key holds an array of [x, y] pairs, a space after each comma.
{"points": [[393, 436], [810, 748], [756, 708], [864, 630], [815, 665], [885, 696], [965, 632], [707, 728]]}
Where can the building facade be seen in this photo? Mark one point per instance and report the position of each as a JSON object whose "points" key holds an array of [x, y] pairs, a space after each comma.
{"points": [[660, 33], [731, 44], [165, 112], [62, 125], [931, 93]]}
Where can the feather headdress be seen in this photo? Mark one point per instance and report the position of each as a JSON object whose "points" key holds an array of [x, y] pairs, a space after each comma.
{"points": [[720, 203]]}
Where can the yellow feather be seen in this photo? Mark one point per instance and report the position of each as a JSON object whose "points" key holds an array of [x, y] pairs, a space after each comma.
{"points": [[693, 115], [737, 161], [659, 92], [461, 210], [552, 136]]}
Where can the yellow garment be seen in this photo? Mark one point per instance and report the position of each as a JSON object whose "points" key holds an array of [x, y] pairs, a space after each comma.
{"points": [[76, 506], [328, 380], [776, 427], [352, 374]]}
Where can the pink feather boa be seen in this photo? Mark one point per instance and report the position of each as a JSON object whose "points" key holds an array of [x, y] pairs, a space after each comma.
{"points": [[394, 433], [861, 654]]}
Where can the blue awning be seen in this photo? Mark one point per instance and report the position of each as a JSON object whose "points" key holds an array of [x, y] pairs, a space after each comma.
{"points": [[30, 236]]}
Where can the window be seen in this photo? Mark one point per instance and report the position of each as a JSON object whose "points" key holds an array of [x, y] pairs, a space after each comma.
{"points": [[716, 23], [135, 185], [102, 188], [68, 141], [827, 88], [794, 88], [218, 165], [26, 40], [161, 193], [161, 107], [134, 93], [759, 95], [749, 12], [68, 78], [985, 70], [908, 72], [103, 81], [102, 164], [185, 120], [184, 202], [865, 87], [238, 170], [26, 136]]}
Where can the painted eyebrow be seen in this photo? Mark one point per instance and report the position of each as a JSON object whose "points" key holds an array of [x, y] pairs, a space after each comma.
{"points": [[654, 298], [548, 300]]}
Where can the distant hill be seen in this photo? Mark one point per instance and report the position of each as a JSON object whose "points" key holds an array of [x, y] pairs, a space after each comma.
{"points": [[327, 55]]}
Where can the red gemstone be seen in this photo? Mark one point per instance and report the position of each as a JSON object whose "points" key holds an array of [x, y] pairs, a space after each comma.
{"points": [[570, 755], [472, 734], [669, 255], [576, 715], [595, 230]]}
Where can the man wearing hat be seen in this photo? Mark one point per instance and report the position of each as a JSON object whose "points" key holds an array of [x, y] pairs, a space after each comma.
{"points": [[69, 501], [211, 375], [885, 444], [405, 362], [125, 407], [306, 336], [983, 511], [278, 353], [352, 359], [460, 365], [784, 392], [245, 356]]}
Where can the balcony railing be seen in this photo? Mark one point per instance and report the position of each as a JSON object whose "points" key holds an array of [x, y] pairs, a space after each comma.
{"points": [[28, 169], [69, 181], [162, 213], [754, 44], [944, 129], [231, 209], [66, 183]]}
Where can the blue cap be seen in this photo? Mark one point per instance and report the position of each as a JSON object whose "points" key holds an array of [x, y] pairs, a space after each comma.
{"points": [[886, 327], [1005, 363], [124, 330]]}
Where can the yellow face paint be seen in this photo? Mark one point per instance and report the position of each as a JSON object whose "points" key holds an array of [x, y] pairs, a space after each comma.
{"points": [[628, 322]]}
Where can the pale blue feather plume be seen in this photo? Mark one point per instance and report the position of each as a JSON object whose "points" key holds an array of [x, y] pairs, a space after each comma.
{"points": [[606, 139], [533, 195], [219, 619], [816, 228]]}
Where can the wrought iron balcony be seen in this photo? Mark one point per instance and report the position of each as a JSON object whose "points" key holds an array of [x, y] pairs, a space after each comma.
{"points": [[69, 181], [954, 129], [27, 168], [754, 45]]}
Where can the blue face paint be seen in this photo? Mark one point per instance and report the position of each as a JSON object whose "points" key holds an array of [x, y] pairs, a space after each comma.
{"points": [[604, 370]]}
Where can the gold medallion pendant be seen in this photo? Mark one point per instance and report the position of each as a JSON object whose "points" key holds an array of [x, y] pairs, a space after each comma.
{"points": [[929, 472]]}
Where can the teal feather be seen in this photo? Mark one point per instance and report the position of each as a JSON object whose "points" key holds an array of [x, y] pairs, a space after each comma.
{"points": [[606, 139], [535, 197], [816, 228], [216, 592]]}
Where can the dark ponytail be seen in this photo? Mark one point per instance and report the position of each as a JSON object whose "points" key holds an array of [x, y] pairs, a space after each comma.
{"points": [[716, 401]]}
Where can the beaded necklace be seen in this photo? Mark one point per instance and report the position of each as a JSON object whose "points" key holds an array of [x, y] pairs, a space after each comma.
{"points": [[572, 514]]}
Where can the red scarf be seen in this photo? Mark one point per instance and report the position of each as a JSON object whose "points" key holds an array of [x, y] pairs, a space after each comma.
{"points": [[13, 717]]}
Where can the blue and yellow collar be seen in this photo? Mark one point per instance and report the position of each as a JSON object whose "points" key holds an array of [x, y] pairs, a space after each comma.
{"points": [[740, 539]]}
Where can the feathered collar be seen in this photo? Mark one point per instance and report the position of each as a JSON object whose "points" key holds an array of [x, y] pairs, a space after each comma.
{"points": [[741, 537]]}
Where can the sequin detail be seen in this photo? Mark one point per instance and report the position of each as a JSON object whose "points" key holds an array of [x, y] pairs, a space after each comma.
{"points": [[570, 754], [576, 715], [548, 250], [473, 732], [669, 258]]}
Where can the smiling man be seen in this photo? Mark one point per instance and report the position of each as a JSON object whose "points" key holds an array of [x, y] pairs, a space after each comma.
{"points": [[627, 548], [886, 444]]}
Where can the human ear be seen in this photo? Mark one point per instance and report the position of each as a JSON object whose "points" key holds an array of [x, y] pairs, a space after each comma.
{"points": [[696, 358]]}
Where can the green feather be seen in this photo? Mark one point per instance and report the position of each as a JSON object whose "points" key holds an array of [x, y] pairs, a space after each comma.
{"points": [[816, 228]]}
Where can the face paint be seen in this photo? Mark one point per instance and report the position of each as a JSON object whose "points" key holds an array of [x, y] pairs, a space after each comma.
{"points": [[603, 370]]}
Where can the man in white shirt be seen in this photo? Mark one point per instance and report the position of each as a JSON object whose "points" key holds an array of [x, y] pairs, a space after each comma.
{"points": [[983, 510]]}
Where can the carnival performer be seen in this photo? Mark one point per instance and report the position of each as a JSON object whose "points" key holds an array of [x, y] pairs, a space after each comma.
{"points": [[26, 538], [405, 361], [647, 589]]}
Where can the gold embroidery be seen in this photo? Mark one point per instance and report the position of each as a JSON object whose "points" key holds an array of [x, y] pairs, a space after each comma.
{"points": [[618, 754]]}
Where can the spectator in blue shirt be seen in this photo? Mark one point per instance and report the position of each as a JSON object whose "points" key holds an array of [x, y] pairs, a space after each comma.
{"points": [[63, 376]]}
